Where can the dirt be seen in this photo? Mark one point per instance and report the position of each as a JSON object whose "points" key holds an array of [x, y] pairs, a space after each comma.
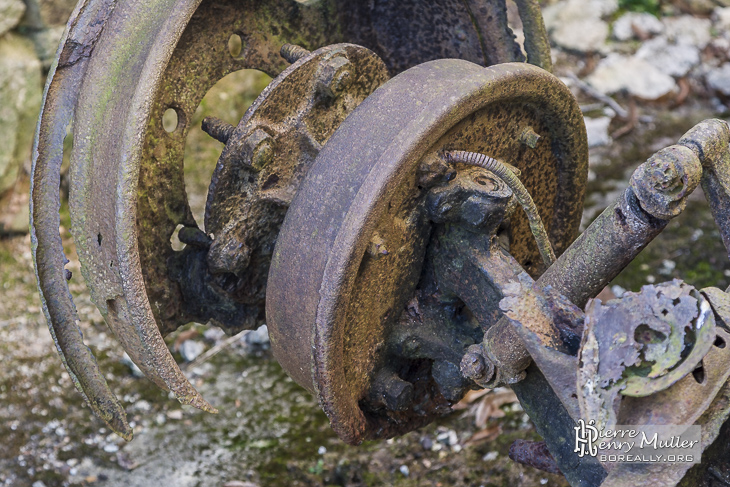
{"points": [[270, 431]]}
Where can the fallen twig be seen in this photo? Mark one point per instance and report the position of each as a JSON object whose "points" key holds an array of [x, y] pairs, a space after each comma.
{"points": [[594, 93], [204, 357]]}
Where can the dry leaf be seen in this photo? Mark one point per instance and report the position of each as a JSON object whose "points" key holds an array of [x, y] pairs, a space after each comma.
{"points": [[485, 435], [489, 407], [469, 398]]}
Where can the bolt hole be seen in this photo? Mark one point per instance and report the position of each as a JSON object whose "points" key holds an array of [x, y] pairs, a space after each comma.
{"points": [[719, 342], [235, 46], [98, 239], [488, 182], [644, 334], [170, 120], [699, 374]]}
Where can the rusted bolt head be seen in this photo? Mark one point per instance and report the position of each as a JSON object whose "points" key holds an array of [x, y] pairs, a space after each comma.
{"points": [[664, 181], [398, 394], [334, 77], [259, 149], [476, 366], [529, 137]]}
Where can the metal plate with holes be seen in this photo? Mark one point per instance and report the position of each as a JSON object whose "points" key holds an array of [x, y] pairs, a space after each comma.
{"points": [[264, 162], [328, 290]]}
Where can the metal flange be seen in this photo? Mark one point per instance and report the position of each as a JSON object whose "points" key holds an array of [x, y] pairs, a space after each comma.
{"points": [[331, 287]]}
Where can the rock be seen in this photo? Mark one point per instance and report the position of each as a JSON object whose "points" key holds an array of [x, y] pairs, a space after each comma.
{"points": [[191, 349], [631, 23], [696, 7], [690, 30], [491, 456], [46, 43], [20, 101], [258, 337], [11, 11], [718, 79], [41, 14], [721, 19], [577, 24], [597, 129], [214, 335], [672, 59], [636, 76], [111, 448]]}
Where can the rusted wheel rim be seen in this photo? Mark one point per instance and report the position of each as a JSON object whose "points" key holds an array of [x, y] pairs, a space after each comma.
{"points": [[314, 281]]}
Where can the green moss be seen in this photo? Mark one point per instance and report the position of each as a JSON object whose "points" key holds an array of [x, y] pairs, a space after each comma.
{"points": [[649, 6]]}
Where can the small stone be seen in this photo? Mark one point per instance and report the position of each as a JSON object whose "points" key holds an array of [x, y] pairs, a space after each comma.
{"points": [[671, 59], [597, 130], [39, 483], [617, 290], [719, 79], [175, 414], [404, 470], [688, 30], [136, 371], [191, 349], [214, 334], [321, 450], [11, 11], [111, 448], [448, 438], [628, 25], [259, 336], [577, 24], [142, 406], [617, 73], [426, 442], [490, 457]]}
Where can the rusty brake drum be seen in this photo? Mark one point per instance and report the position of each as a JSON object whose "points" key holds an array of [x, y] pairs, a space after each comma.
{"points": [[351, 251]]}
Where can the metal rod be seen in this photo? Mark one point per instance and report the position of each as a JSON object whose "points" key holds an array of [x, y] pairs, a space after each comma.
{"points": [[519, 190]]}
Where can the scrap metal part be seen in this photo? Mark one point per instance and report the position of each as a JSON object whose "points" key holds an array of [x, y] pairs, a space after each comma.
{"points": [[260, 169], [326, 287], [640, 344], [120, 66]]}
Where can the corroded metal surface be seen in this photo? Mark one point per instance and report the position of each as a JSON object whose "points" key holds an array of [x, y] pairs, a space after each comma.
{"points": [[641, 344], [323, 286], [264, 161], [141, 59], [58, 105]]}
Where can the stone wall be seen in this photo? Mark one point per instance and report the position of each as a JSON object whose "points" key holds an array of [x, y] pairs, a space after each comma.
{"points": [[30, 31]]}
